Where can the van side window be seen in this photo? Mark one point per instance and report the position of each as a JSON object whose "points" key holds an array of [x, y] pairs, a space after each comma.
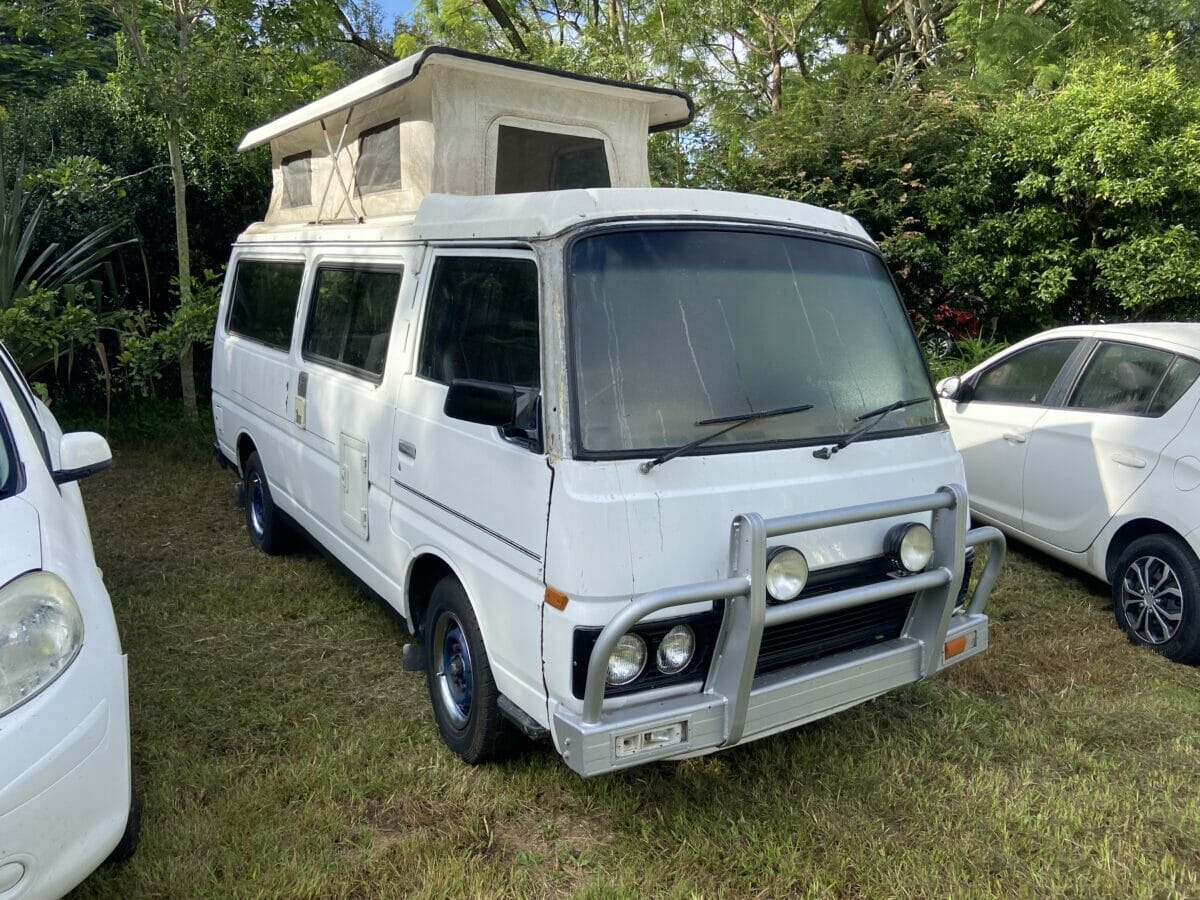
{"points": [[350, 321], [263, 306], [481, 322]]}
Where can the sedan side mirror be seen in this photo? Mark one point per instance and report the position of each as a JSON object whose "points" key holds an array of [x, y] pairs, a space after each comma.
{"points": [[482, 402], [950, 388], [80, 454]]}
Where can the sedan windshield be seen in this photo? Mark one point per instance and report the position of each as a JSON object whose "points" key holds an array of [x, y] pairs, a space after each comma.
{"points": [[673, 327]]}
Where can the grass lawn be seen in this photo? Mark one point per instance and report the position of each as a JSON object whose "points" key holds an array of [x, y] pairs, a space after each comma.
{"points": [[282, 751]]}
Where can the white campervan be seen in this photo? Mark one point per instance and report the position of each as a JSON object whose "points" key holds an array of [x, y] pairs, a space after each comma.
{"points": [[656, 472]]}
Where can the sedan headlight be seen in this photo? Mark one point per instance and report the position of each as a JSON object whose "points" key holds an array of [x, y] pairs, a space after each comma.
{"points": [[911, 545], [787, 573], [41, 631], [627, 660]]}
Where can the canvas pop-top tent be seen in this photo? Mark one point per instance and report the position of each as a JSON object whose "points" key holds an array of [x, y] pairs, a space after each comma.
{"points": [[447, 121]]}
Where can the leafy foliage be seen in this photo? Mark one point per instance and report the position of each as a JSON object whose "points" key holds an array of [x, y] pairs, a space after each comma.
{"points": [[1082, 203]]}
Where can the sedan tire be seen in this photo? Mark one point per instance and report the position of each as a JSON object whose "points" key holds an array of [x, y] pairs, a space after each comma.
{"points": [[1156, 596]]}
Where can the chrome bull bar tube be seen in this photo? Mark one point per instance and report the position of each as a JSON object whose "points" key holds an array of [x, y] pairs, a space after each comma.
{"points": [[735, 656]]}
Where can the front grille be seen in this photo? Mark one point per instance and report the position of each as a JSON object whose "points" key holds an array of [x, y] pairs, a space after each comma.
{"points": [[860, 626]]}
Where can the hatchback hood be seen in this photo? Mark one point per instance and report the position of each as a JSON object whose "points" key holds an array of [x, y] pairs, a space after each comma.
{"points": [[20, 539], [615, 531]]}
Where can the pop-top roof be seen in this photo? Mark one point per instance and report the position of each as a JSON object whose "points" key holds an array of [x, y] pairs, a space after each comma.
{"points": [[667, 108], [445, 121]]}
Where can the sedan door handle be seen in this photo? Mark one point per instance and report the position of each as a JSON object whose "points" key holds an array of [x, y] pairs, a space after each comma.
{"points": [[1126, 459], [1014, 438]]}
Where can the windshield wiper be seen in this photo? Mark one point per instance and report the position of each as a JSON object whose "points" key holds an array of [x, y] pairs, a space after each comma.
{"points": [[735, 422], [876, 416]]}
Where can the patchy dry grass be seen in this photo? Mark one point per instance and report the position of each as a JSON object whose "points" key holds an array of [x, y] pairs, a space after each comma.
{"points": [[282, 751]]}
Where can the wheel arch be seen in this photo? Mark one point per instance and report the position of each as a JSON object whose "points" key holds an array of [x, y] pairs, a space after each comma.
{"points": [[1128, 533], [244, 446], [427, 568]]}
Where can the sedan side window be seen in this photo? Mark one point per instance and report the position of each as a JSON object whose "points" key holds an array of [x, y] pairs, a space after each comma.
{"points": [[1025, 377], [1121, 378], [1180, 377]]}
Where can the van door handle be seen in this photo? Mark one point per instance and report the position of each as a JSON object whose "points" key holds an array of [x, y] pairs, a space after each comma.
{"points": [[1127, 459], [1013, 438], [407, 449]]}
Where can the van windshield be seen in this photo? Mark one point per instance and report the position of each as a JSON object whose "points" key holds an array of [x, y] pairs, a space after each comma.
{"points": [[673, 326]]}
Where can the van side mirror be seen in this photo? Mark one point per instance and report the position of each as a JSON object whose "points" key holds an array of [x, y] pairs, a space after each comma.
{"points": [[482, 402], [951, 388], [80, 454]]}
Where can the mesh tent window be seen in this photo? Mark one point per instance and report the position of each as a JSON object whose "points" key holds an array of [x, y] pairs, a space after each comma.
{"points": [[297, 180], [529, 160], [378, 166]]}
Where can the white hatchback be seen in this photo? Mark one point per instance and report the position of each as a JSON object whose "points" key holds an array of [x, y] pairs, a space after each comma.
{"points": [[1085, 442], [66, 800]]}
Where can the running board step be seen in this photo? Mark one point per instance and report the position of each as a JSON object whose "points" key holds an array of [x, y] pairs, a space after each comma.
{"points": [[528, 725]]}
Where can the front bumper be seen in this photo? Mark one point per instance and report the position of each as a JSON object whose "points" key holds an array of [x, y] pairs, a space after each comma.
{"points": [[734, 706], [64, 778]]}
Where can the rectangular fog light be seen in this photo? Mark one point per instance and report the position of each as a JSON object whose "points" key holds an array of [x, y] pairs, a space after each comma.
{"points": [[652, 739]]}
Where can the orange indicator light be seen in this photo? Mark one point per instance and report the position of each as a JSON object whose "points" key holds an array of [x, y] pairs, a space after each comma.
{"points": [[556, 598], [955, 646]]}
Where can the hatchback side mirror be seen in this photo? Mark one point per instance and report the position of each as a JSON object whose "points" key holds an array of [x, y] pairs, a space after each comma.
{"points": [[482, 402], [950, 388], [80, 454]]}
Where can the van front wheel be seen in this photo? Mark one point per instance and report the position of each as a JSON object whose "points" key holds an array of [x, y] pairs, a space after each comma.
{"points": [[268, 532], [464, 696]]}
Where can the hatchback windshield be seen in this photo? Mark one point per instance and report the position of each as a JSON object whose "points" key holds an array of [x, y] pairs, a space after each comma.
{"points": [[670, 327]]}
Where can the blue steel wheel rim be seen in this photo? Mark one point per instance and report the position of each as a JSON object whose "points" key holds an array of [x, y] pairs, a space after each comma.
{"points": [[453, 670], [258, 504]]}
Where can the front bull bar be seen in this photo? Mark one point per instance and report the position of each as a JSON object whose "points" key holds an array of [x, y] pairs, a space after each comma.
{"points": [[718, 715]]}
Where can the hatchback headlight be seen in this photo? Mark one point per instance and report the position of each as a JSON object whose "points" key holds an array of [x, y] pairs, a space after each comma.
{"points": [[41, 631], [787, 573], [627, 660], [911, 545]]}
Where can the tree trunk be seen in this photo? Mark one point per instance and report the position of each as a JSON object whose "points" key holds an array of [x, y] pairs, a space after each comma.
{"points": [[187, 375]]}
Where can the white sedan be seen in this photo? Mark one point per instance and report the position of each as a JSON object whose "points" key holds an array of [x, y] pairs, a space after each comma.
{"points": [[66, 800], [1085, 443]]}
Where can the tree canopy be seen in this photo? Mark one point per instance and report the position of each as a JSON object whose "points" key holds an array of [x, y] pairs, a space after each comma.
{"points": [[1023, 165]]}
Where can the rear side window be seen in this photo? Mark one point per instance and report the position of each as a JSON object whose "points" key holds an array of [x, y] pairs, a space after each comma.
{"points": [[1121, 378], [482, 322], [529, 160], [1024, 377], [350, 322], [1181, 376], [263, 306]]}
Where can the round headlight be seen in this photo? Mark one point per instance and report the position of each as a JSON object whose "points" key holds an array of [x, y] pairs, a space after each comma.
{"points": [[41, 631], [911, 545], [676, 649], [787, 573], [627, 660]]}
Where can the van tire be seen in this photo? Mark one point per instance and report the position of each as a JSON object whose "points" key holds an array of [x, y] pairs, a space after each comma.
{"points": [[466, 703], [1173, 573], [264, 522]]}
